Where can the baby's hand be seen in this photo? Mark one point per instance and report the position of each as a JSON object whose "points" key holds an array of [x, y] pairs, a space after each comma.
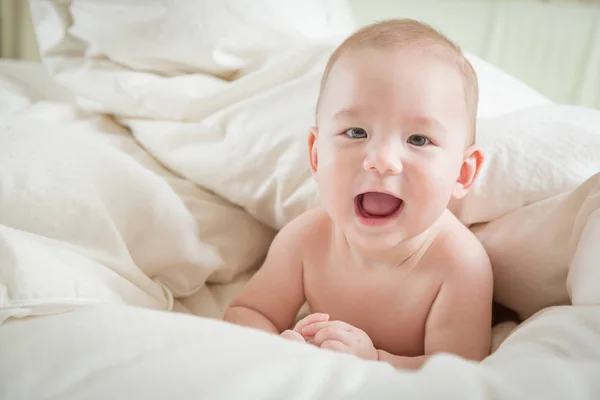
{"points": [[340, 336], [292, 335], [296, 333]]}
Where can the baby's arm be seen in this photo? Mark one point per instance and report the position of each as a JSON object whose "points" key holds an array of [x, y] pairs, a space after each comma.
{"points": [[460, 318], [273, 296]]}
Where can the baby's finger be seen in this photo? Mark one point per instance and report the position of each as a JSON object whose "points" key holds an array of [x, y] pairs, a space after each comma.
{"points": [[292, 335], [332, 333], [309, 319], [335, 345], [312, 329]]}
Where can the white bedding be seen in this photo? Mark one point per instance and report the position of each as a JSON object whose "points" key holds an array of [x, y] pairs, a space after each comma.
{"points": [[162, 186]]}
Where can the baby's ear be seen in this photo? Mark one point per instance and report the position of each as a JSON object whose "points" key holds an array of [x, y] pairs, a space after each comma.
{"points": [[471, 166], [312, 149]]}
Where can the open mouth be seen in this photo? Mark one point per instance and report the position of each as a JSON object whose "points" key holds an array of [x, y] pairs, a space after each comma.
{"points": [[378, 205]]}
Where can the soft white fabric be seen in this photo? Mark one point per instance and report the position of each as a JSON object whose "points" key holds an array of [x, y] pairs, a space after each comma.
{"points": [[501, 93], [22, 83], [105, 352], [533, 248], [88, 216], [168, 60], [31, 79], [174, 214], [531, 155]]}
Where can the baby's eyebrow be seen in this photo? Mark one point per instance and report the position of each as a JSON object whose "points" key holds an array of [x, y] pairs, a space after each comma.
{"points": [[430, 123], [349, 112]]}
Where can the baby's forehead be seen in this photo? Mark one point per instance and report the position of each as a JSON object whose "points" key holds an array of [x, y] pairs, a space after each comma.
{"points": [[393, 60], [370, 70], [387, 58]]}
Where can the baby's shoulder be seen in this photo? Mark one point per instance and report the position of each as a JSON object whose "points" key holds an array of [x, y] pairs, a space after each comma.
{"points": [[306, 230], [458, 250]]}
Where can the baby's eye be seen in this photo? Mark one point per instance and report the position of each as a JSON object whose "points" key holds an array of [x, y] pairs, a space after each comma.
{"points": [[418, 140], [356, 133]]}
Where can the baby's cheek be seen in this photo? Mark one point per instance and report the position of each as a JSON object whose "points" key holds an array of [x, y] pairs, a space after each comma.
{"points": [[330, 180], [339, 158], [437, 187], [337, 170], [443, 172]]}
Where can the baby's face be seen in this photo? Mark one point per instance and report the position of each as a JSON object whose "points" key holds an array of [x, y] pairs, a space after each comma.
{"points": [[391, 139]]}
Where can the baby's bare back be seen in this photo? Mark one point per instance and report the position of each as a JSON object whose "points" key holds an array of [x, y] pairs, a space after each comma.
{"points": [[390, 303]]}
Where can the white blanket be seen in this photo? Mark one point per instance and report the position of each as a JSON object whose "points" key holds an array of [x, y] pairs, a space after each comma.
{"points": [[165, 187], [125, 353]]}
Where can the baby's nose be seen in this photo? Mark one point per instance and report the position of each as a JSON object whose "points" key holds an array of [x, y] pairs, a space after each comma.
{"points": [[383, 160]]}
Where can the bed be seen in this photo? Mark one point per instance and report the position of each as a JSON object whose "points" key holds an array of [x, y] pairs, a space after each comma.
{"points": [[145, 168]]}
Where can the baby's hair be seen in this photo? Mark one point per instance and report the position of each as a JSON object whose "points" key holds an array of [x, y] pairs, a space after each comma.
{"points": [[405, 34]]}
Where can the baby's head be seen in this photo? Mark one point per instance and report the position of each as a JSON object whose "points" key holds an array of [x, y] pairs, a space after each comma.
{"points": [[394, 139], [409, 35]]}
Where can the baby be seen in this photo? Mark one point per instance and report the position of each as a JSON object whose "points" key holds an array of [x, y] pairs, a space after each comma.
{"points": [[388, 272]]}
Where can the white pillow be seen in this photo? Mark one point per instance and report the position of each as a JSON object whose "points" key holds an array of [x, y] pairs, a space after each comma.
{"points": [[531, 155]]}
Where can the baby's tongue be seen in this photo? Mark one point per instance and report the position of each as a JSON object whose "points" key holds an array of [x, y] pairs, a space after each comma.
{"points": [[380, 204]]}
